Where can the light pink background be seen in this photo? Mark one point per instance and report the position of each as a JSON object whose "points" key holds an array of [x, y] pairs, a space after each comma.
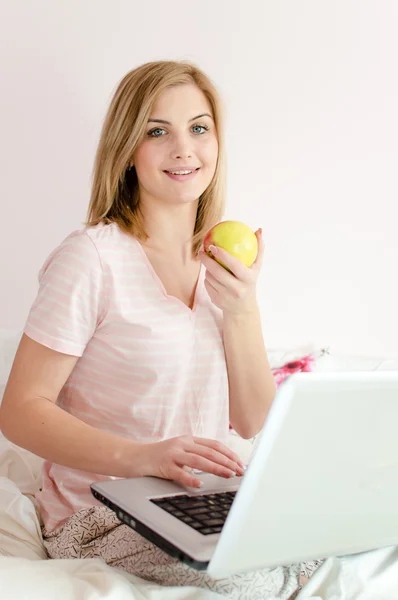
{"points": [[312, 95]]}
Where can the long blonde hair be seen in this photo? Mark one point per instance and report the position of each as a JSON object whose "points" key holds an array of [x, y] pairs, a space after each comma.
{"points": [[114, 195]]}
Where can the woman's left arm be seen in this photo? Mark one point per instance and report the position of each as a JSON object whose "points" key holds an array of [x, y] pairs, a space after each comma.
{"points": [[251, 382]]}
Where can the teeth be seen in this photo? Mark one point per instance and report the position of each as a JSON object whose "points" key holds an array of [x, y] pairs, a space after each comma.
{"points": [[180, 172]]}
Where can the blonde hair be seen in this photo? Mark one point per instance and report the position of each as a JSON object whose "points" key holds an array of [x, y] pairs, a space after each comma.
{"points": [[114, 195]]}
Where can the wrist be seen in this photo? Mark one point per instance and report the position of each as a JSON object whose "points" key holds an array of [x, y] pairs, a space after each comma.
{"points": [[132, 458], [251, 310]]}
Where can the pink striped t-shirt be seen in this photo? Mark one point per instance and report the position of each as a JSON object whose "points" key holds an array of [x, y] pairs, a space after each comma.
{"points": [[150, 368]]}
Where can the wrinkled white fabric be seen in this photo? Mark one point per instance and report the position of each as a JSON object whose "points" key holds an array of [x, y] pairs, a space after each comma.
{"points": [[20, 533], [366, 576], [82, 580]]}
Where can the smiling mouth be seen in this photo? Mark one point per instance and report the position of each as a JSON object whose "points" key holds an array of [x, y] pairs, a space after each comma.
{"points": [[182, 171]]}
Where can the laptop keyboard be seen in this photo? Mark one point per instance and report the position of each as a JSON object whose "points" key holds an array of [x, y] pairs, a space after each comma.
{"points": [[206, 514]]}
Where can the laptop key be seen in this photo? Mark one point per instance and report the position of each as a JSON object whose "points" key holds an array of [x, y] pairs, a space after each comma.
{"points": [[207, 530], [167, 506], [182, 505], [196, 511], [187, 520], [177, 501], [217, 529], [202, 517], [213, 522], [215, 515], [197, 504]]}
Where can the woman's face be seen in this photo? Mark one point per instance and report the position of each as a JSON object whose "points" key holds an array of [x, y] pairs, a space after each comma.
{"points": [[176, 160]]}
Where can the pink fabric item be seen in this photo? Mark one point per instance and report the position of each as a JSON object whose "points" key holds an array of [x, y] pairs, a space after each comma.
{"points": [[150, 368], [304, 364]]}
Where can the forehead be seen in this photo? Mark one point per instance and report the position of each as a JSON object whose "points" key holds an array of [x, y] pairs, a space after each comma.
{"points": [[180, 102]]}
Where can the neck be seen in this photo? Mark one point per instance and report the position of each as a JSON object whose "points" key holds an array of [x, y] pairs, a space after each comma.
{"points": [[170, 228]]}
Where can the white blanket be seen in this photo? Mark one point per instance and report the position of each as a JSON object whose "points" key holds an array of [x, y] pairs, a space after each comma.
{"points": [[82, 580], [367, 576]]}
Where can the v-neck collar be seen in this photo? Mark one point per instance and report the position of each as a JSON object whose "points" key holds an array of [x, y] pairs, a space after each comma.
{"points": [[159, 282]]}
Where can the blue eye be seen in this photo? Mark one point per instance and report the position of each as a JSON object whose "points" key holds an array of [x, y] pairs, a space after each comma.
{"points": [[155, 132], [202, 127]]}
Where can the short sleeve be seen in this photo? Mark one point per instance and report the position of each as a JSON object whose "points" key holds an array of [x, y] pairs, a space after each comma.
{"points": [[70, 302]]}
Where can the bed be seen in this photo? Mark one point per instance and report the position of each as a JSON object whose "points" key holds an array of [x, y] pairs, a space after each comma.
{"points": [[25, 571]]}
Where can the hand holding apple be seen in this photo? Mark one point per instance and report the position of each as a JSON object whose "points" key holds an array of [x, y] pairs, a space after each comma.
{"points": [[232, 257]]}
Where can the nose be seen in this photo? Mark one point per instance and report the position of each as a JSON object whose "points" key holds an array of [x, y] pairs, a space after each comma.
{"points": [[182, 147]]}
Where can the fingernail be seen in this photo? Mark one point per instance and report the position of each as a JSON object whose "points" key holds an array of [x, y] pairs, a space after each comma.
{"points": [[261, 231], [200, 483], [213, 249]]}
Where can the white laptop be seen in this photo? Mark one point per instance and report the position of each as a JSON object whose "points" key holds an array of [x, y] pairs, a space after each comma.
{"points": [[322, 481]]}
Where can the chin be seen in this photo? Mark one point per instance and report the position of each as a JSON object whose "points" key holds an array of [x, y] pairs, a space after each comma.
{"points": [[187, 197], [183, 199]]}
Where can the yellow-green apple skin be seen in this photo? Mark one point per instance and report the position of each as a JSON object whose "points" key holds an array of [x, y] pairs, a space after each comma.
{"points": [[236, 238]]}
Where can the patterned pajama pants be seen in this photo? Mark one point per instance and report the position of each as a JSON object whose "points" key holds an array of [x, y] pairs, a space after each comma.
{"points": [[97, 533]]}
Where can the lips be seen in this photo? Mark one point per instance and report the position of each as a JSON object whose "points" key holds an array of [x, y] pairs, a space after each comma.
{"points": [[181, 170], [182, 174]]}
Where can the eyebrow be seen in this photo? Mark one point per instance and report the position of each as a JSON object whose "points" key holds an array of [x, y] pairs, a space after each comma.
{"points": [[168, 122]]}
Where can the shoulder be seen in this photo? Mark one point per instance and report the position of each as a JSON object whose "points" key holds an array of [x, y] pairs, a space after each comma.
{"points": [[76, 250], [104, 234], [111, 242], [89, 247]]}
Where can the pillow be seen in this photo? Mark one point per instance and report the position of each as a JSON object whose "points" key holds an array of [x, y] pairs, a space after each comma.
{"points": [[20, 466], [338, 361]]}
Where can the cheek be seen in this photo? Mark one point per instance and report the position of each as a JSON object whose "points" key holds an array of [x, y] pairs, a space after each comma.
{"points": [[209, 157], [210, 152], [146, 159]]}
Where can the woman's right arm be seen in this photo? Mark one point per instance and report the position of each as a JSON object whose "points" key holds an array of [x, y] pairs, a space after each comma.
{"points": [[30, 418]]}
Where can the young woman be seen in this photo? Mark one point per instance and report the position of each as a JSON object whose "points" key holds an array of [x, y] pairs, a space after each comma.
{"points": [[140, 349]]}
